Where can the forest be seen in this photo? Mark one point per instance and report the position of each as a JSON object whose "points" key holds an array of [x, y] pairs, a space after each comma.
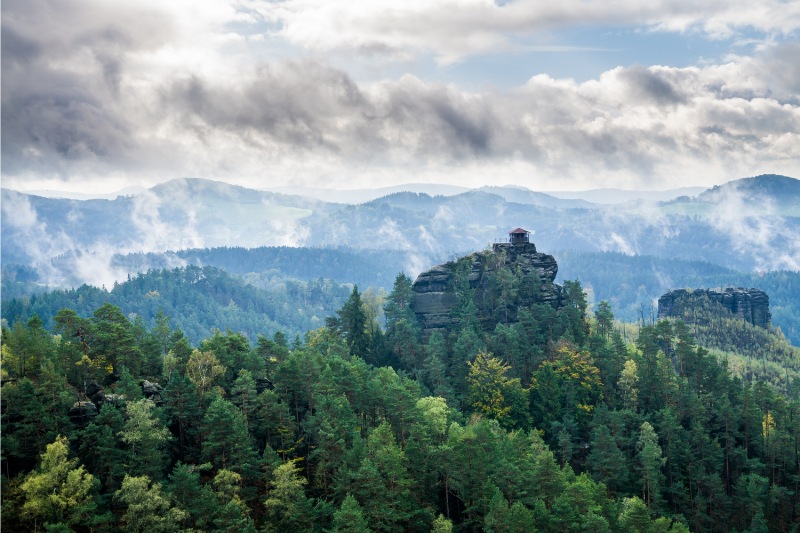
{"points": [[514, 419], [198, 299], [298, 287]]}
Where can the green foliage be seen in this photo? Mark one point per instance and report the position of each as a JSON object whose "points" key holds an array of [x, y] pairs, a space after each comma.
{"points": [[147, 508], [650, 461], [204, 369], [146, 439], [351, 323], [226, 442], [442, 525], [214, 298], [31, 420], [563, 428], [100, 447], [350, 518], [59, 492], [288, 508], [491, 393], [751, 352]]}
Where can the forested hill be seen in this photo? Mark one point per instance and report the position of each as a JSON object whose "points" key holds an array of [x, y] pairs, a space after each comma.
{"points": [[776, 188], [551, 422], [198, 299], [751, 352], [366, 267], [632, 284]]}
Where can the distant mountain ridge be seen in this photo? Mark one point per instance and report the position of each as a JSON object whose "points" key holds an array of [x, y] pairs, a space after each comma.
{"points": [[526, 196], [621, 196], [781, 189], [70, 242]]}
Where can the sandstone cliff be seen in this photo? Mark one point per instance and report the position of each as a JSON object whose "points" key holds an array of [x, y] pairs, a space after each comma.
{"points": [[752, 305], [435, 297]]}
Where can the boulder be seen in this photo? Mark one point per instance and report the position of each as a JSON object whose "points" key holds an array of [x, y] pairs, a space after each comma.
{"points": [[81, 413], [152, 390], [95, 393]]}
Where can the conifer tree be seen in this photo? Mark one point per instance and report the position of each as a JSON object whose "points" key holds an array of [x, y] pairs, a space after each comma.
{"points": [[100, 450], [226, 442], [351, 322], [146, 440], [650, 461], [190, 496], [350, 517], [244, 395]]}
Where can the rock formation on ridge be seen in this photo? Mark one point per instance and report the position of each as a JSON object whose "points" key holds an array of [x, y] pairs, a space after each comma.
{"points": [[752, 305], [436, 297]]}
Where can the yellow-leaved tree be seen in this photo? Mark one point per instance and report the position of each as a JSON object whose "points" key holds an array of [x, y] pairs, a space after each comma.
{"points": [[59, 492], [492, 393]]}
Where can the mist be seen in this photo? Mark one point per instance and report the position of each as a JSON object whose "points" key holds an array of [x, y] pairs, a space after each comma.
{"points": [[71, 242]]}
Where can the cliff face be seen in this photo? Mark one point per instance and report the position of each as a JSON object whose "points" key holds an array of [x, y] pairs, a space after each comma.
{"points": [[435, 297], [752, 305]]}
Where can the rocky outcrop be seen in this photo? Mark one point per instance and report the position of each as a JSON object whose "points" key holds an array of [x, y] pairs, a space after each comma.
{"points": [[95, 393], [82, 413], [752, 305], [152, 391], [435, 298]]}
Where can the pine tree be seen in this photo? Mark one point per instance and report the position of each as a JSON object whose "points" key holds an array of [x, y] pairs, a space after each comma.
{"points": [[226, 442], [650, 461], [244, 395], [100, 450], [382, 484], [114, 341], [606, 462], [351, 322], [190, 496], [146, 440], [350, 517]]}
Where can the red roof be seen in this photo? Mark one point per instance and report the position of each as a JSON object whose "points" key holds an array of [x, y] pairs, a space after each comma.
{"points": [[518, 230]]}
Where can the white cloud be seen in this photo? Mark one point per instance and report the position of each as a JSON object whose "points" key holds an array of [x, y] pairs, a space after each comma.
{"points": [[135, 92], [453, 29], [755, 228]]}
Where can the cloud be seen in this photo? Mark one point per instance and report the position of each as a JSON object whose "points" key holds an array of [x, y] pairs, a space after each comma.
{"points": [[149, 91], [633, 122], [453, 29], [51, 251], [755, 228]]}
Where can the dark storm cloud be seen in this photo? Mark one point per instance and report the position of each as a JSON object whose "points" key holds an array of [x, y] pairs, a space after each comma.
{"points": [[648, 84], [295, 104], [50, 116], [306, 105], [448, 121], [62, 69], [17, 49]]}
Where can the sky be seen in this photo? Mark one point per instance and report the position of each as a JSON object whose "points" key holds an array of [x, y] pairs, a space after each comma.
{"points": [[98, 96]]}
